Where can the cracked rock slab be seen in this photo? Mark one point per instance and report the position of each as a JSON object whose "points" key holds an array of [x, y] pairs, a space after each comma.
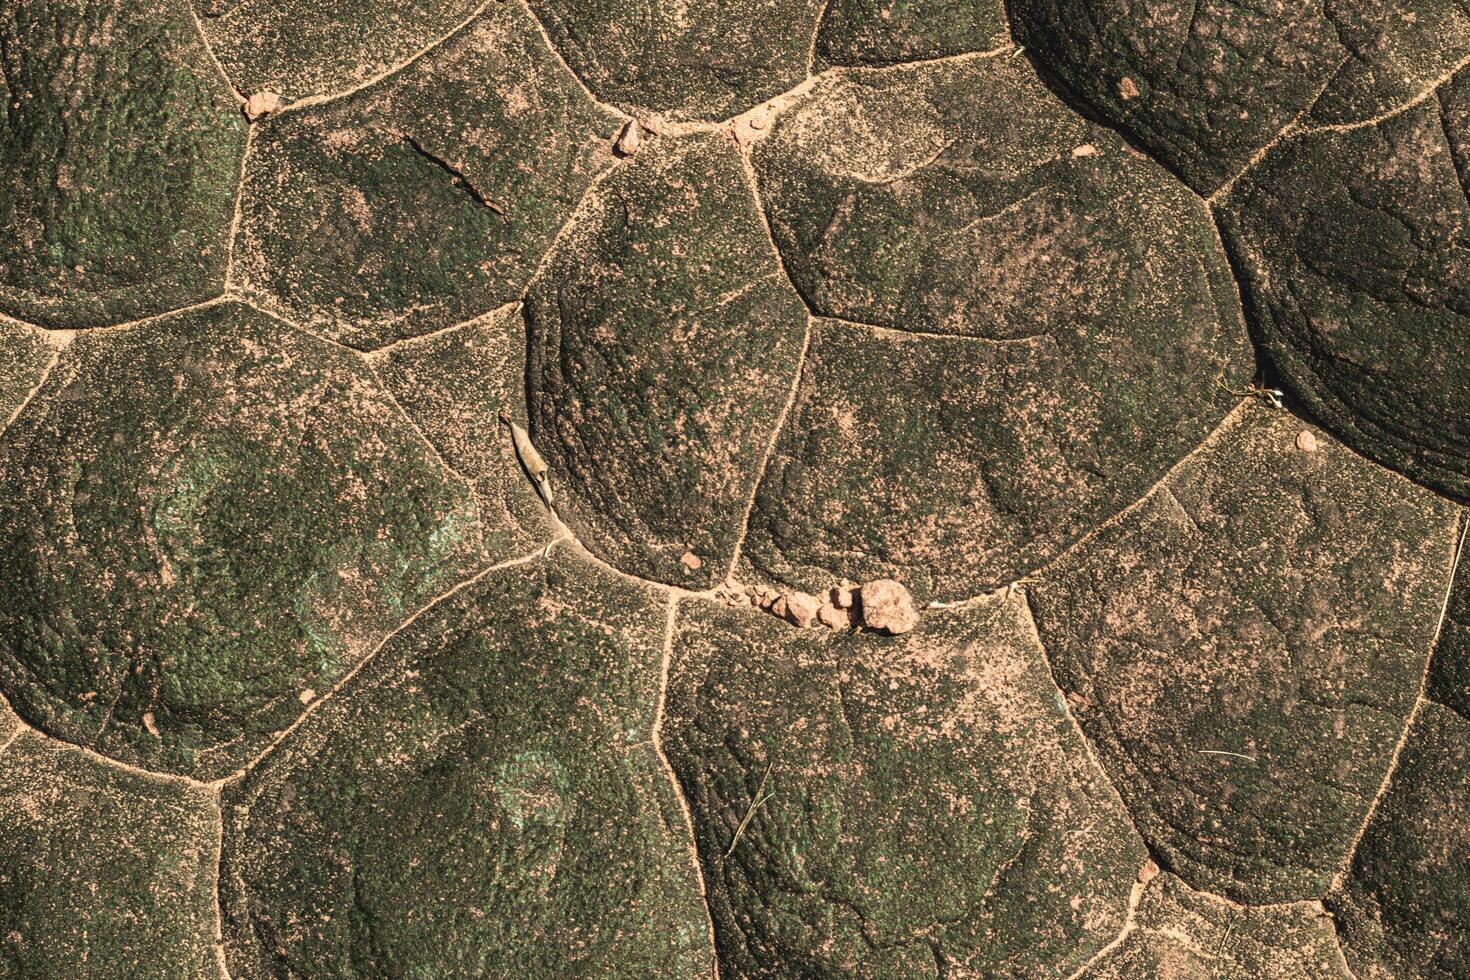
{"points": [[1036, 319], [687, 59], [427, 199], [1205, 85], [869, 806], [1191, 935], [1244, 649], [508, 815], [1350, 246], [301, 48], [103, 873], [455, 386], [203, 521], [663, 342], [1403, 905], [887, 32], [119, 157]]}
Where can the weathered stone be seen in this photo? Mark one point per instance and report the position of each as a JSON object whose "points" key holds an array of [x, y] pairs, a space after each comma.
{"points": [[888, 607], [1183, 934], [302, 48], [1250, 654], [797, 608], [885, 32], [24, 356], [455, 386], [507, 817], [199, 518], [1206, 85], [1404, 904], [427, 199], [103, 873], [663, 341], [873, 806], [1350, 245], [689, 59], [119, 156], [1085, 309]]}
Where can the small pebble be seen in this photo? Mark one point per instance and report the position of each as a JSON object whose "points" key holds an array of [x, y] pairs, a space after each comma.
{"points": [[1306, 441], [692, 561], [888, 606], [797, 608], [1148, 872], [630, 140], [261, 104], [307, 696], [1085, 150], [1127, 88]]}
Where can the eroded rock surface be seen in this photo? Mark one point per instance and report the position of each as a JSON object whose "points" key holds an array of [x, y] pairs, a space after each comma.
{"points": [[1184, 934], [1449, 670], [103, 873], [1034, 320], [1244, 655], [1404, 903], [202, 520], [663, 342], [688, 59], [119, 157], [1351, 248], [507, 817], [427, 199], [1206, 85], [917, 806]]}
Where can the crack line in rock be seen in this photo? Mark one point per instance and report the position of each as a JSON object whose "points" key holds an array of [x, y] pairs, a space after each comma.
{"points": [[239, 216], [372, 654], [656, 738], [209, 50], [394, 69], [219, 872], [457, 176], [1413, 715], [561, 59], [1398, 110]]}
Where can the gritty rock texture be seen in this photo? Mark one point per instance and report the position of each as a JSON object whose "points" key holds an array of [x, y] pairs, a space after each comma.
{"points": [[663, 342], [103, 873], [24, 358], [1350, 247], [426, 199], [688, 59], [1404, 902], [885, 32], [455, 386], [119, 155], [508, 816], [302, 48], [1186, 934], [1037, 333], [909, 807], [202, 518], [1244, 659], [1205, 86]]}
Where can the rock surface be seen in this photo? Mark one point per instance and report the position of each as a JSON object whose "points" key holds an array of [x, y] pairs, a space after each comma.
{"points": [[1246, 659], [507, 818], [200, 518], [916, 806]]}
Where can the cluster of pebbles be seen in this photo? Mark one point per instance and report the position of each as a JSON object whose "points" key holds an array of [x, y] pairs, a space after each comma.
{"points": [[882, 605]]}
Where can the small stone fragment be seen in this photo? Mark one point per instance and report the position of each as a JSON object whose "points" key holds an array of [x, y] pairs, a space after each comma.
{"points": [[842, 594], [835, 618], [692, 561], [307, 696], [1085, 150], [261, 104], [1148, 872], [630, 140], [887, 606], [797, 608], [1127, 88], [1306, 441]]}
